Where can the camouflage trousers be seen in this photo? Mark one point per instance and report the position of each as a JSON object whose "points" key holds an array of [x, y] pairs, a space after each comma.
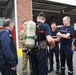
{"points": [[26, 58]]}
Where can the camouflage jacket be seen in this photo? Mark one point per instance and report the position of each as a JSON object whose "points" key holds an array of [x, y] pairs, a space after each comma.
{"points": [[22, 38]]}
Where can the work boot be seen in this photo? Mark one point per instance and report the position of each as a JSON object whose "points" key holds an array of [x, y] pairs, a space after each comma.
{"points": [[57, 71], [50, 70], [70, 73], [62, 73]]}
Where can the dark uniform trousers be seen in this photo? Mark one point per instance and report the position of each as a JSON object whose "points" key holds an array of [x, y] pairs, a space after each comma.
{"points": [[56, 51], [39, 62], [65, 52], [6, 70]]}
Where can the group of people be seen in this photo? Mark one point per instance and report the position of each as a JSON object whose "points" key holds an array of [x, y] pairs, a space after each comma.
{"points": [[64, 36], [63, 51], [39, 58]]}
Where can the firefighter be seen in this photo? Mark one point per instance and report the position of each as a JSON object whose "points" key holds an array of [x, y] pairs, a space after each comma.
{"points": [[66, 34], [8, 52], [55, 50], [39, 57]]}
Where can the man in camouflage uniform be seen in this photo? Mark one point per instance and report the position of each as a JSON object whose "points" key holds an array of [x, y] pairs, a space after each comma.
{"points": [[25, 56]]}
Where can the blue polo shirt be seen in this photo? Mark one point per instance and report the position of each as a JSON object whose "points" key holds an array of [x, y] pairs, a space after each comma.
{"points": [[65, 30], [53, 34]]}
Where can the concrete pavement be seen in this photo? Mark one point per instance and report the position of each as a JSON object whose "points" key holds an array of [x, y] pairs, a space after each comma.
{"points": [[74, 62], [52, 73], [19, 68]]}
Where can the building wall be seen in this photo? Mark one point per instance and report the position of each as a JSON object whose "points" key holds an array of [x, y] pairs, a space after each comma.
{"points": [[24, 11]]}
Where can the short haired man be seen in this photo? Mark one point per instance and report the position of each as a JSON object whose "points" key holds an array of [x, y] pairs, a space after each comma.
{"points": [[39, 58], [55, 50], [66, 34], [8, 53]]}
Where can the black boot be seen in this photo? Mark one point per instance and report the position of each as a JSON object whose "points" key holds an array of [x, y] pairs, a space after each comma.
{"points": [[70, 73], [50, 70], [57, 71], [62, 73]]}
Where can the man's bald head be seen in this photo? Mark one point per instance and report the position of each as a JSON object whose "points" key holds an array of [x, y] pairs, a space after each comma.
{"points": [[66, 20]]}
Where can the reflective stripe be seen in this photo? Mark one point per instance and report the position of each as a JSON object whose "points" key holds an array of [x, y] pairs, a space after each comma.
{"points": [[41, 31], [63, 67], [54, 36], [70, 71], [29, 37]]}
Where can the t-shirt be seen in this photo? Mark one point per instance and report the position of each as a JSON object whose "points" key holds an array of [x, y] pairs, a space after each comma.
{"points": [[53, 34], [43, 31], [65, 30]]}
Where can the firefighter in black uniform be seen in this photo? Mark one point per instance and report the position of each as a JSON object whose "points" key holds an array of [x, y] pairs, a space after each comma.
{"points": [[66, 35], [55, 50], [39, 58], [8, 53]]}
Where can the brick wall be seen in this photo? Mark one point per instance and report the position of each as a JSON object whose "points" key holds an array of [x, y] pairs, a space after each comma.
{"points": [[24, 11]]}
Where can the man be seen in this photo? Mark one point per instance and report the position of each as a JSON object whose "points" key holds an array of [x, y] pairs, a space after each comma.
{"points": [[55, 49], [39, 57], [8, 53], [66, 35], [26, 57]]}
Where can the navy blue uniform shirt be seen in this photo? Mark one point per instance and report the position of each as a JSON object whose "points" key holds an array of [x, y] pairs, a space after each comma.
{"points": [[65, 30], [8, 49], [44, 31], [54, 35]]}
